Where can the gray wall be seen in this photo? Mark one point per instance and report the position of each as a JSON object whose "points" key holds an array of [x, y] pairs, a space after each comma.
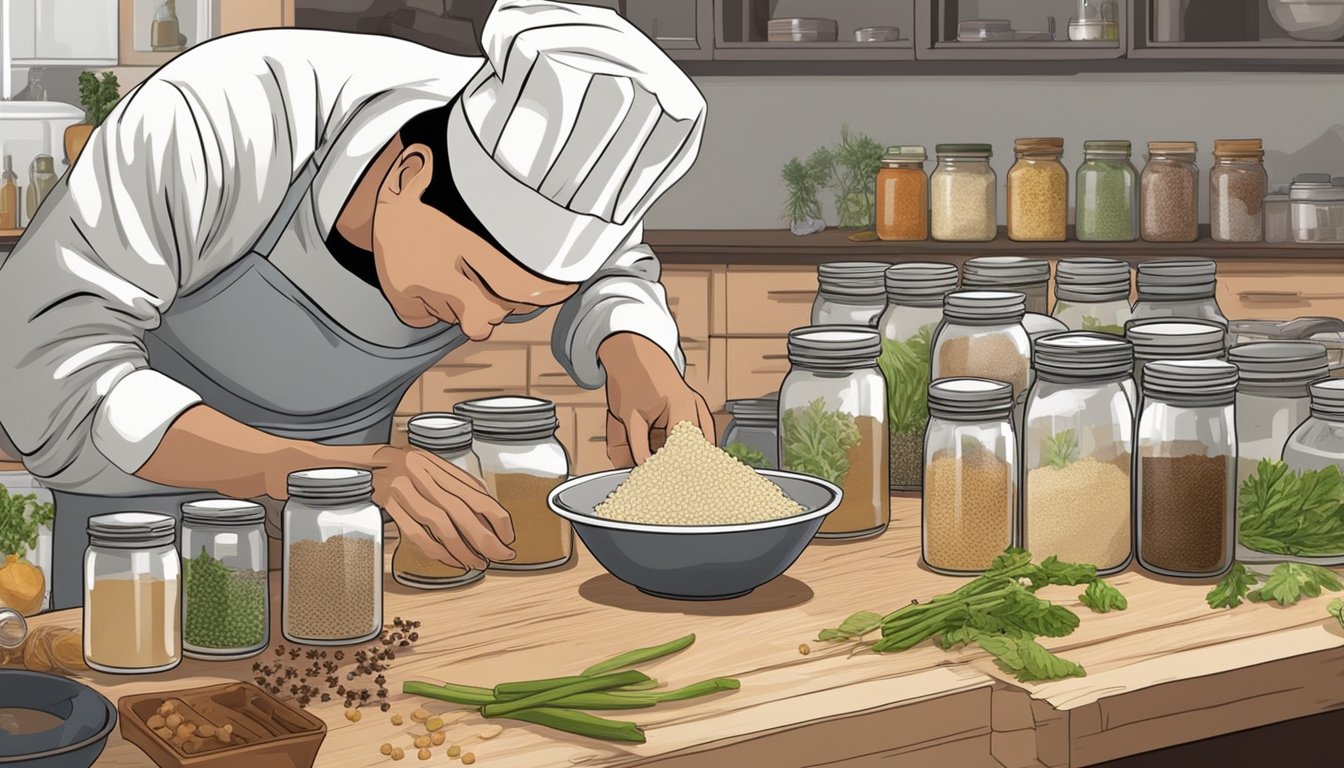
{"points": [[756, 124]]}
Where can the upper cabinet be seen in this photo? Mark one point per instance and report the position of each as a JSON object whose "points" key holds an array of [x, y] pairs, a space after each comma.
{"points": [[152, 32], [1239, 29], [1041, 30], [807, 30], [63, 32]]}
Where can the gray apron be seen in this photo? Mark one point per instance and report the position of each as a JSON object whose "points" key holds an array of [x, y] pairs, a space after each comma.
{"points": [[313, 380]]}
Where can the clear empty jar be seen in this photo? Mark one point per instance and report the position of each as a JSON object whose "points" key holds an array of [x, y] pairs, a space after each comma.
{"points": [[1178, 288], [132, 607], [1278, 215], [1107, 205], [333, 558], [1187, 473], [226, 587], [962, 194], [1237, 186], [915, 294], [982, 337], [849, 293], [1316, 209], [752, 437], [1092, 294], [970, 476], [1316, 444], [1029, 277], [1078, 438], [833, 425], [1155, 340], [1038, 192], [448, 437], [521, 463], [903, 195], [1169, 193]]}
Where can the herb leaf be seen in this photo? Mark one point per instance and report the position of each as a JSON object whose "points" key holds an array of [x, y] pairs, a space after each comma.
{"points": [[1027, 659], [905, 366], [817, 441], [747, 455], [855, 626], [1233, 588], [1053, 573], [1290, 582], [1103, 598], [1095, 325], [1060, 450], [1283, 512], [1336, 609], [21, 516]]}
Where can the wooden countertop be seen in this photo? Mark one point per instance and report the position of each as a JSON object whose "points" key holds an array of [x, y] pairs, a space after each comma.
{"points": [[1168, 670]]}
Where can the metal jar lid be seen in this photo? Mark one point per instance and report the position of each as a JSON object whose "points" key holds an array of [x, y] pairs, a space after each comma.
{"points": [[905, 154], [1108, 147], [834, 347], [970, 399], [510, 418], [1279, 368], [862, 280], [1176, 339], [1315, 188], [443, 432], [920, 283], [964, 150], [1177, 278], [985, 307], [131, 530], [1082, 356], [222, 512], [1191, 382], [1092, 280], [762, 411], [331, 484], [1005, 271], [1327, 399]]}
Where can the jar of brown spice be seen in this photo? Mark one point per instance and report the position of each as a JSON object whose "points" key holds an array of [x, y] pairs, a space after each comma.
{"points": [[903, 195], [1237, 186], [1169, 193], [1038, 192]]}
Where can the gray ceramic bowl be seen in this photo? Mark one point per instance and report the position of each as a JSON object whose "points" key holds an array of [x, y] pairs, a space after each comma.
{"points": [[88, 718], [707, 562]]}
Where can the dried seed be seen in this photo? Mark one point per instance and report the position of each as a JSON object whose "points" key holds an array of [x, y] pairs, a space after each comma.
{"points": [[386, 749], [454, 750], [397, 753], [173, 720], [185, 731], [490, 731], [205, 731], [155, 722], [433, 724], [804, 649], [164, 733], [437, 738], [468, 758], [420, 715], [396, 720], [424, 754], [422, 741], [353, 715]]}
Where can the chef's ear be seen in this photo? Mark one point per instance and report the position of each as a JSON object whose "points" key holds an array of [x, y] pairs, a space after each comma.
{"points": [[411, 172]]}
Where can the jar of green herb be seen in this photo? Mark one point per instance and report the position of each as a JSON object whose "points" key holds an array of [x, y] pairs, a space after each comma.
{"points": [[226, 595], [1107, 206]]}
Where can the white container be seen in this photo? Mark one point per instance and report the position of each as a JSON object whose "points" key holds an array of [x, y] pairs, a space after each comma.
{"points": [[1317, 209]]}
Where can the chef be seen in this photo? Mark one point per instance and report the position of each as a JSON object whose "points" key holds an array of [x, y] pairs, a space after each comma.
{"points": [[271, 238]]}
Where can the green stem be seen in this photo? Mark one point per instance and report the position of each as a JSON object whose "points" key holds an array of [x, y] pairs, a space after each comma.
{"points": [[509, 691], [466, 695], [581, 724], [697, 690], [598, 683], [639, 656]]}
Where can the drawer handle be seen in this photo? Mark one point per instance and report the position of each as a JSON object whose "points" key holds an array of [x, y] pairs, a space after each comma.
{"points": [[797, 295], [1270, 295], [776, 356]]}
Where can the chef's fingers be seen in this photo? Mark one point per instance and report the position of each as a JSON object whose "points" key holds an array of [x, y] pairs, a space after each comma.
{"points": [[430, 514], [412, 532], [707, 424], [481, 504], [454, 470], [476, 530], [618, 443], [637, 432]]}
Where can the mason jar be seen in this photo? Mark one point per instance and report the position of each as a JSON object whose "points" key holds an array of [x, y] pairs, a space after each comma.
{"points": [[522, 462], [1316, 444], [902, 195], [333, 558], [448, 437], [1092, 294], [1273, 396], [1029, 277], [982, 336], [963, 193], [1038, 192], [1169, 188], [1078, 444], [226, 595], [1187, 473], [833, 425], [970, 476], [849, 293], [1178, 288], [1107, 206], [1155, 340], [1237, 187], [752, 436], [132, 607], [915, 294]]}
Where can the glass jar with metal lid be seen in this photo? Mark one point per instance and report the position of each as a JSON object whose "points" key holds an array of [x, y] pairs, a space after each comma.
{"points": [[132, 580], [1186, 487], [1316, 444], [521, 463], [333, 558], [903, 195], [1178, 288], [1029, 277], [849, 293], [226, 588], [970, 476], [448, 437], [1155, 340], [963, 193], [1317, 209], [1092, 294], [1273, 396], [1038, 192], [915, 294], [752, 437], [1237, 186], [832, 423], [1107, 205], [982, 337], [1078, 442], [1169, 193]]}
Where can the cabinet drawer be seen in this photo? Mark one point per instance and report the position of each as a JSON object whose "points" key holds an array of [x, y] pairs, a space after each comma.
{"points": [[768, 302], [756, 367], [688, 299], [483, 366], [1262, 292]]}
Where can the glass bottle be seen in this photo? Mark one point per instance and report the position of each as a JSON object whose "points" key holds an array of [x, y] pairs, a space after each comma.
{"points": [[1237, 187], [833, 402], [753, 434], [132, 612], [1186, 488], [1178, 288], [42, 179], [1107, 206], [13, 629], [962, 194], [849, 293], [226, 588], [1029, 277], [9, 197], [1092, 294], [1177, 339], [521, 463], [903, 195], [1319, 443], [164, 30], [915, 294], [333, 558], [37, 86], [1038, 192], [1078, 438], [448, 437], [970, 476], [982, 336], [1169, 192]]}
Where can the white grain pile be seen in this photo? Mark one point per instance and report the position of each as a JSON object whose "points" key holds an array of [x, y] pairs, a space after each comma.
{"points": [[690, 481]]}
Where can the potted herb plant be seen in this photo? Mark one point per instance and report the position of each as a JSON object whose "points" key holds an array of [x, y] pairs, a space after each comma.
{"points": [[849, 170], [802, 181], [22, 583], [97, 96]]}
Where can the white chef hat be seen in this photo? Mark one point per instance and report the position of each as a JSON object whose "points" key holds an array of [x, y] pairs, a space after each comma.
{"points": [[574, 126]]}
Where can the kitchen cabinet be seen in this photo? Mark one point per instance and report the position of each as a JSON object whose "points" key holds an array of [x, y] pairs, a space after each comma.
{"points": [[742, 30], [1230, 30], [63, 32], [769, 302], [944, 38]]}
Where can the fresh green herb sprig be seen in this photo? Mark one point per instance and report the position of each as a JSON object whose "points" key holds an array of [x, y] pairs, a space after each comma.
{"points": [[1060, 450], [1283, 512], [21, 517], [1336, 609], [817, 441], [747, 455], [98, 96], [905, 366], [1095, 325], [801, 184], [1287, 584]]}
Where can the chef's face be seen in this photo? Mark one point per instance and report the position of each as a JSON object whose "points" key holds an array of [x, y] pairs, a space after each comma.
{"points": [[432, 269]]}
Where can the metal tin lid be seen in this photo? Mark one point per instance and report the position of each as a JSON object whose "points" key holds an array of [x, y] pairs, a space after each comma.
{"points": [[912, 153], [920, 283], [1279, 368], [1176, 339], [970, 399], [1191, 382], [1108, 147], [1243, 148], [1092, 279], [1082, 356], [985, 307], [331, 484], [1172, 147], [834, 347], [510, 417], [440, 432], [1315, 187], [223, 512], [1015, 271], [1052, 145], [1327, 399], [853, 279], [762, 410], [982, 150], [131, 530], [1176, 278]]}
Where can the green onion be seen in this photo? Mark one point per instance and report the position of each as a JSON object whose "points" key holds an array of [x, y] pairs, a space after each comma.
{"points": [[581, 724], [639, 656], [598, 683]]}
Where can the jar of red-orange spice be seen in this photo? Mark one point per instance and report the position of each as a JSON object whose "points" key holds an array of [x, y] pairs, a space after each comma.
{"points": [[903, 195]]}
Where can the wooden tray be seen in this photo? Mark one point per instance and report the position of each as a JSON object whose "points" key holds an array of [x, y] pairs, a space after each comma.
{"points": [[273, 733]]}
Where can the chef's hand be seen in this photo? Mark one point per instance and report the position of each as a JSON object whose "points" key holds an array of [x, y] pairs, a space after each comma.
{"points": [[443, 510], [645, 392]]}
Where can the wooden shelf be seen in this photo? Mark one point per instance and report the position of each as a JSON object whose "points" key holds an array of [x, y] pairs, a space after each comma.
{"points": [[8, 237]]}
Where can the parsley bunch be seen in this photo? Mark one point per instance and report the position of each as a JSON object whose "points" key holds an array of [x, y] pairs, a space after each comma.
{"points": [[21, 515], [1286, 585], [1283, 512]]}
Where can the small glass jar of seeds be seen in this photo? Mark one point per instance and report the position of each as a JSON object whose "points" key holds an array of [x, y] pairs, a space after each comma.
{"points": [[915, 294], [833, 425], [1038, 192], [1078, 439], [132, 605], [226, 589], [963, 194], [970, 476], [849, 293], [1237, 186], [982, 337], [1092, 294], [1107, 206], [1155, 340], [521, 463], [1316, 444], [752, 437], [333, 558], [1178, 288], [1169, 192], [448, 437], [1187, 453], [1029, 277]]}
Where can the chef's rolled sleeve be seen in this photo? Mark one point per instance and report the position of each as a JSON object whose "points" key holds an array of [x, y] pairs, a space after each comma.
{"points": [[134, 416]]}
